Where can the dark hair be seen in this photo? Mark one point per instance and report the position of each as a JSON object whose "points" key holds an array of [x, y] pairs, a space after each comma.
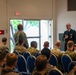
{"points": [[36, 73], [41, 62], [46, 44], [34, 44], [11, 58], [46, 52], [4, 39], [2, 56], [20, 27], [74, 45]]}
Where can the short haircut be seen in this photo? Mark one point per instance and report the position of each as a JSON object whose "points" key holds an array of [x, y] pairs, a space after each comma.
{"points": [[68, 24], [41, 62], [58, 43], [33, 44], [74, 45], [46, 52], [11, 58], [20, 27], [2, 56], [46, 44], [4, 39], [70, 44]]}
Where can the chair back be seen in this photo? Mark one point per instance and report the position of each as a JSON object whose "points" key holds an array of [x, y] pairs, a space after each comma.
{"points": [[53, 60], [15, 52], [65, 60], [6, 51], [30, 63], [37, 54], [21, 64], [26, 54], [71, 65], [55, 72]]}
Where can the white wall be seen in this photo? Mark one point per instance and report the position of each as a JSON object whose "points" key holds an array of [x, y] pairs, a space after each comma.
{"points": [[3, 19], [63, 16], [29, 9]]}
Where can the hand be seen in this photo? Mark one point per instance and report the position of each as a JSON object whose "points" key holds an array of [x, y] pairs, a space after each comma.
{"points": [[70, 35], [66, 37]]}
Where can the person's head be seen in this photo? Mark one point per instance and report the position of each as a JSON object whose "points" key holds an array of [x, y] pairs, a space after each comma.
{"points": [[34, 44], [46, 44], [41, 62], [20, 27], [4, 40], [21, 41], [58, 43], [46, 52], [11, 59], [2, 58], [70, 45], [74, 46], [68, 26]]}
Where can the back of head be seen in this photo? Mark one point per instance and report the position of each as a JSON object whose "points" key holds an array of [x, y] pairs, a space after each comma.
{"points": [[46, 44], [4, 39], [41, 62], [70, 44], [58, 43], [11, 59], [34, 44], [20, 27], [46, 52], [2, 56], [74, 45]]}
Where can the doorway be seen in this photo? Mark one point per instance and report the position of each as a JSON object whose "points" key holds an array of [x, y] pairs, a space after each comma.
{"points": [[36, 30]]}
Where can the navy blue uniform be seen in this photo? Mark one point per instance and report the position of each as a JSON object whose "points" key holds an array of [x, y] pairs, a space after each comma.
{"points": [[71, 36]]}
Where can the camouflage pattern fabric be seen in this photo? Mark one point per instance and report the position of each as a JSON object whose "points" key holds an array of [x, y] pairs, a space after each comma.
{"points": [[3, 47], [72, 54], [21, 35], [32, 50], [20, 49]]}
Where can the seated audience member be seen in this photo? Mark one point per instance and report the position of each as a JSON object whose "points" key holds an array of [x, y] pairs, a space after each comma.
{"points": [[73, 71], [11, 61], [40, 63], [2, 60], [69, 51], [33, 49], [3, 45], [74, 47], [56, 51], [46, 44], [47, 53], [20, 48]]}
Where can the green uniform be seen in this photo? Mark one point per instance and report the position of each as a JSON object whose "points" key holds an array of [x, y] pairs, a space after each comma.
{"points": [[9, 72], [32, 50], [46, 70], [72, 54], [3, 47], [22, 35], [20, 49]]}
